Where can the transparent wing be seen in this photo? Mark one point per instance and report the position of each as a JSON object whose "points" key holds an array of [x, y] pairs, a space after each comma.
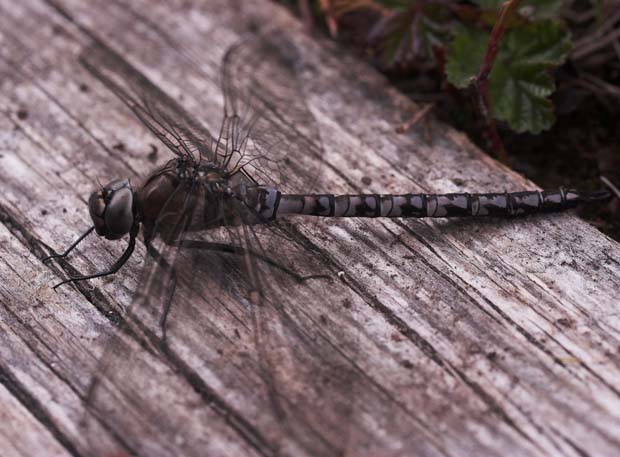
{"points": [[229, 327], [274, 136], [247, 332], [180, 132]]}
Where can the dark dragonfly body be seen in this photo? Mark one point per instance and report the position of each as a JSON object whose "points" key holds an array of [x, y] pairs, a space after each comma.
{"points": [[277, 204], [222, 202], [211, 183]]}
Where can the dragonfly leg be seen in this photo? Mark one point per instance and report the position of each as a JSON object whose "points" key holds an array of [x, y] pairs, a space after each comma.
{"points": [[113, 269], [238, 250], [70, 248]]}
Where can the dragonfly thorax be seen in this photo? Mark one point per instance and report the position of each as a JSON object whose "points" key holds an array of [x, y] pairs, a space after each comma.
{"points": [[112, 209], [213, 176], [208, 173]]}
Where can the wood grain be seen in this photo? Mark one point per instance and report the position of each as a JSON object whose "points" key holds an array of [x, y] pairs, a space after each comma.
{"points": [[457, 337]]}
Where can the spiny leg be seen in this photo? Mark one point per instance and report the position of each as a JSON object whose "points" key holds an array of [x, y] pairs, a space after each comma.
{"points": [[114, 268], [70, 248]]}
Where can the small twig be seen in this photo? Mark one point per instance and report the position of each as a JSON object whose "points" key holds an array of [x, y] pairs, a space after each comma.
{"points": [[413, 120], [611, 186], [596, 90], [579, 17], [598, 32], [607, 88], [482, 80], [594, 45], [598, 59]]}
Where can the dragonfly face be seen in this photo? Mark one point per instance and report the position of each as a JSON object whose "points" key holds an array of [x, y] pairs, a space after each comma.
{"points": [[112, 209]]}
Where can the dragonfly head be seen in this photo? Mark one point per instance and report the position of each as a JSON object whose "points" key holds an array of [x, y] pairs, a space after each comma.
{"points": [[112, 209]]}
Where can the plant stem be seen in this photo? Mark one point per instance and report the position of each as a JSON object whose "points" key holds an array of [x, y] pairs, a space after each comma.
{"points": [[482, 80]]}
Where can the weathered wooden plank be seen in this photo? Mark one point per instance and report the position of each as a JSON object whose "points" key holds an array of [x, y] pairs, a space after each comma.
{"points": [[483, 337], [21, 434], [49, 343]]}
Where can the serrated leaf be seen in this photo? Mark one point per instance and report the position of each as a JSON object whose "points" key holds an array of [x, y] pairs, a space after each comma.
{"points": [[519, 83], [464, 55], [406, 35], [541, 42], [518, 96]]}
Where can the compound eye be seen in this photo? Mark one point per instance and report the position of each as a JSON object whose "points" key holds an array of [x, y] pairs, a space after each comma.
{"points": [[111, 209], [96, 208], [119, 213]]}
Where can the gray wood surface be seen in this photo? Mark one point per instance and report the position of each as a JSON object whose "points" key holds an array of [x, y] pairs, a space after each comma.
{"points": [[456, 337]]}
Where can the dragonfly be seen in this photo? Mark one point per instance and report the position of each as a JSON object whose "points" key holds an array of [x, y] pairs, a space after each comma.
{"points": [[216, 182], [212, 216]]}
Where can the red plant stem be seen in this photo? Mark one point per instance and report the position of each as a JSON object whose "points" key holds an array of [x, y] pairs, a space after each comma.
{"points": [[482, 80], [413, 120], [330, 20]]}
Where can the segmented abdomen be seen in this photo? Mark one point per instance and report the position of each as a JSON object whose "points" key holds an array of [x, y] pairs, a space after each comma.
{"points": [[274, 204]]}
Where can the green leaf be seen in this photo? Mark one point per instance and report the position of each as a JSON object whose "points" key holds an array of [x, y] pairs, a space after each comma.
{"points": [[541, 42], [407, 35], [519, 83], [518, 96], [464, 55]]}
